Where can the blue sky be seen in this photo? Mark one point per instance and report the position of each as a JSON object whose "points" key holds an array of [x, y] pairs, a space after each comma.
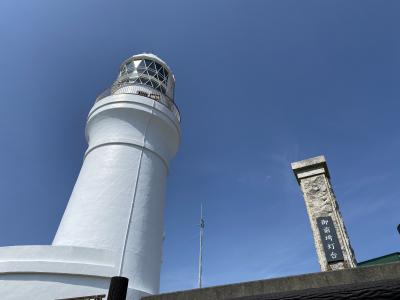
{"points": [[260, 84]]}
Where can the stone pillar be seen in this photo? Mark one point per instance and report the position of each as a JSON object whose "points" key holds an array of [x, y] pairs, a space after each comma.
{"points": [[331, 240]]}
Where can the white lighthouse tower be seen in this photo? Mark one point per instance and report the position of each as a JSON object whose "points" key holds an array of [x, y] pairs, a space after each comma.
{"points": [[118, 199], [113, 224]]}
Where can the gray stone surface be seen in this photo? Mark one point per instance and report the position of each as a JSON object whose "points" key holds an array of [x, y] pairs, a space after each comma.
{"points": [[301, 283], [314, 180]]}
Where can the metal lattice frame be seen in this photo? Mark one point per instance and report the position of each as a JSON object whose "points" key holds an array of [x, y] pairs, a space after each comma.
{"points": [[145, 77], [144, 72]]}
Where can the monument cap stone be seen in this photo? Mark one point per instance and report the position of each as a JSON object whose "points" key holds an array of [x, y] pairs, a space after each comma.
{"points": [[310, 167]]}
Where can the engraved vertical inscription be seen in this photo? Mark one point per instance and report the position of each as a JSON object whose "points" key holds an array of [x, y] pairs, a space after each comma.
{"points": [[329, 239]]}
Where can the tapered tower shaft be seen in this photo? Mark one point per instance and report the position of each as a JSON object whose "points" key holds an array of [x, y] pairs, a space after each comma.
{"points": [[118, 200]]}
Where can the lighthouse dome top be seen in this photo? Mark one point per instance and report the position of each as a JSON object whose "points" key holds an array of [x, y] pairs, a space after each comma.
{"points": [[149, 70], [147, 75]]}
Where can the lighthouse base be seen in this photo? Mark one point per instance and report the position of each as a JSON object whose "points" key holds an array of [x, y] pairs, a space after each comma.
{"points": [[57, 272]]}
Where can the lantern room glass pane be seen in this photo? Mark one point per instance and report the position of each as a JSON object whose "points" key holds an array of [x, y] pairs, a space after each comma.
{"points": [[151, 72]]}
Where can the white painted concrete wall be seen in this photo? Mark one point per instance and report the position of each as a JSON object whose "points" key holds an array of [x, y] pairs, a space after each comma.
{"points": [[118, 200], [49, 286], [52, 272], [34, 286]]}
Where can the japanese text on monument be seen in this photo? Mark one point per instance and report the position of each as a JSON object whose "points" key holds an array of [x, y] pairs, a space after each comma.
{"points": [[329, 239]]}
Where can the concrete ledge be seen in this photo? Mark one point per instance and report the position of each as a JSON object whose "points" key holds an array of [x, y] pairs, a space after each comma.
{"points": [[56, 272], [368, 276], [57, 259]]}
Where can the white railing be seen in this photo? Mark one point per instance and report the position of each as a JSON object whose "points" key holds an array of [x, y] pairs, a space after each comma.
{"points": [[142, 90]]}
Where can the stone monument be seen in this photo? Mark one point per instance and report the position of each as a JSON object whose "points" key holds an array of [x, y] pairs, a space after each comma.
{"points": [[331, 240]]}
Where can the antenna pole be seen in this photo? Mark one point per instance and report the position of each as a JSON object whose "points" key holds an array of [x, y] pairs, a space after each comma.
{"points": [[201, 246]]}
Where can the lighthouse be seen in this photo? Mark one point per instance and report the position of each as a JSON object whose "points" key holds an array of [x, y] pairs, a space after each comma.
{"points": [[113, 223], [118, 199]]}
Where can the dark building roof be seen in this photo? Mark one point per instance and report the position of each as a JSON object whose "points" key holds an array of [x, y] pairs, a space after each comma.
{"points": [[373, 282]]}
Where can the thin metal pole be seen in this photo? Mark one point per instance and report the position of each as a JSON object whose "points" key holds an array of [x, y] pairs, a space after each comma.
{"points": [[201, 246]]}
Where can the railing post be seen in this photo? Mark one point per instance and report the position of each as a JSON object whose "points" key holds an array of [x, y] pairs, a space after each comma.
{"points": [[118, 288]]}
